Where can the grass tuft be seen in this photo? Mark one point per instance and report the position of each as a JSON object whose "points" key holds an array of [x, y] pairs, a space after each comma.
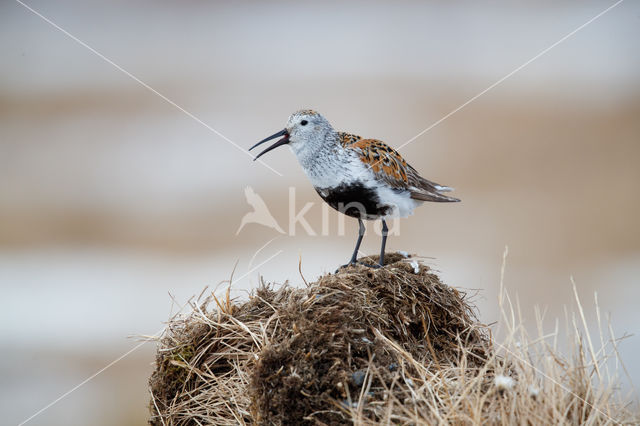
{"points": [[369, 346]]}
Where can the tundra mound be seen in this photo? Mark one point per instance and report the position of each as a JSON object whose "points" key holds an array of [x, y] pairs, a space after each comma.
{"points": [[363, 345]]}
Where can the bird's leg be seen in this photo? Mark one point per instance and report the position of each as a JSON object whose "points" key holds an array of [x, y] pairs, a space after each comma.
{"points": [[385, 231], [361, 230], [354, 256]]}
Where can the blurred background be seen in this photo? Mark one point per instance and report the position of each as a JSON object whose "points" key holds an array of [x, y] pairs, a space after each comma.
{"points": [[116, 207]]}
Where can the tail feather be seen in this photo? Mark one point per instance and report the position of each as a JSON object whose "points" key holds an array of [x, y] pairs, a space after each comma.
{"points": [[430, 185], [425, 190], [422, 195], [442, 188]]}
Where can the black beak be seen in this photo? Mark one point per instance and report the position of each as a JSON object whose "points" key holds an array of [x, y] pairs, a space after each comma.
{"points": [[283, 141]]}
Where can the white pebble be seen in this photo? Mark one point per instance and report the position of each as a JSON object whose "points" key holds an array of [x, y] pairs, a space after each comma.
{"points": [[503, 382]]}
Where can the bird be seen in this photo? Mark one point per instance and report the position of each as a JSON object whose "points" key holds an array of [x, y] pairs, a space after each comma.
{"points": [[362, 178], [260, 213]]}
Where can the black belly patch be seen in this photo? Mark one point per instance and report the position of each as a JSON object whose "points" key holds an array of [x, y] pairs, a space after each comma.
{"points": [[355, 200]]}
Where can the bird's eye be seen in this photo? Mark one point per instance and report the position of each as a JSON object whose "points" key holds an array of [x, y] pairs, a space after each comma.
{"points": [[304, 122]]}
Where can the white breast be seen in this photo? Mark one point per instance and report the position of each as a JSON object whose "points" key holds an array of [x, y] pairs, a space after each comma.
{"points": [[329, 171]]}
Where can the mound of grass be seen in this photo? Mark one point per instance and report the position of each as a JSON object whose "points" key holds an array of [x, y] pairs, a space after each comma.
{"points": [[367, 346]]}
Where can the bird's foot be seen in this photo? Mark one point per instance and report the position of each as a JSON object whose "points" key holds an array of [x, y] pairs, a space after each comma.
{"points": [[374, 266], [368, 265], [346, 265]]}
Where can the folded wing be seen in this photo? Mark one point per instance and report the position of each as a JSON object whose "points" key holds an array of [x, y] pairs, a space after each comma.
{"points": [[389, 166]]}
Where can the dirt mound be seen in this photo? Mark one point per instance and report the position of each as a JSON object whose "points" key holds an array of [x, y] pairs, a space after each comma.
{"points": [[297, 355], [349, 330], [390, 345]]}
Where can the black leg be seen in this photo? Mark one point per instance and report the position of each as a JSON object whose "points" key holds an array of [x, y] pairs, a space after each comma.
{"points": [[354, 257], [385, 230], [361, 230]]}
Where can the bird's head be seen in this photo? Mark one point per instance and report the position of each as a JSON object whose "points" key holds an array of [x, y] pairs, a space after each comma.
{"points": [[305, 132]]}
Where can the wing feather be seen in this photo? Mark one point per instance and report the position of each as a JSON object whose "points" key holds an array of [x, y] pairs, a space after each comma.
{"points": [[389, 166]]}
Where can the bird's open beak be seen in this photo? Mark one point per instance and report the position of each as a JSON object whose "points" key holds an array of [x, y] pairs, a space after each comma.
{"points": [[283, 141]]}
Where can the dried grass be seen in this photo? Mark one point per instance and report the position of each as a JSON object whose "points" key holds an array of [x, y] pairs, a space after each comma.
{"points": [[368, 346]]}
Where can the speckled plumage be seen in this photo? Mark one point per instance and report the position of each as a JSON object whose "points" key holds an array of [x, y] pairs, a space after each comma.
{"points": [[389, 167], [362, 178]]}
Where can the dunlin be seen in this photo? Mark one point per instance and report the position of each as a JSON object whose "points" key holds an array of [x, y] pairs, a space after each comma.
{"points": [[362, 178]]}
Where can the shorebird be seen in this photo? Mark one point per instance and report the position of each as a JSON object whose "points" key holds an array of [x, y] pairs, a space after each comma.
{"points": [[362, 178]]}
